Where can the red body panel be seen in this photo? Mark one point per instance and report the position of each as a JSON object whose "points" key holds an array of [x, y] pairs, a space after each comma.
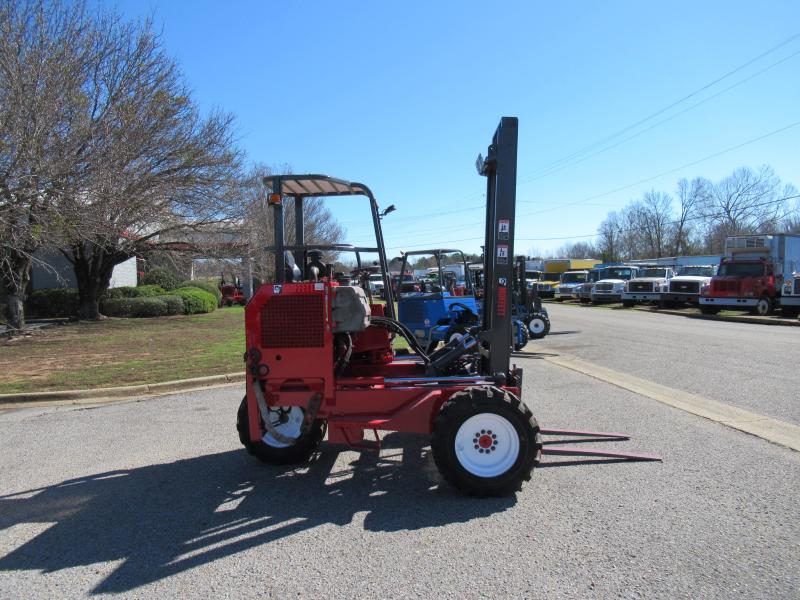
{"points": [[292, 355]]}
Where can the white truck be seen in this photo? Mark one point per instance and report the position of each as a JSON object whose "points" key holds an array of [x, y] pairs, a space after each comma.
{"points": [[648, 285], [686, 285], [790, 297], [612, 286], [568, 284]]}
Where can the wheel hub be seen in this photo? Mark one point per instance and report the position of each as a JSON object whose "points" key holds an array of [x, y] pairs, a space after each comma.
{"points": [[487, 445]]}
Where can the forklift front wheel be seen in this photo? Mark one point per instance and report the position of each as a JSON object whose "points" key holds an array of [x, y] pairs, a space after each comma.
{"points": [[486, 442], [271, 451]]}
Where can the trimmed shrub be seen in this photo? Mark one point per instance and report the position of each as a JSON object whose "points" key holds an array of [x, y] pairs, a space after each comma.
{"points": [[196, 300], [174, 304], [142, 291], [58, 302], [161, 277], [208, 286], [136, 307]]}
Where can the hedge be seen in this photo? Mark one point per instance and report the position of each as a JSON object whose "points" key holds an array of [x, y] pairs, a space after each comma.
{"points": [[208, 286], [196, 300], [173, 303], [161, 277], [142, 291], [57, 302]]}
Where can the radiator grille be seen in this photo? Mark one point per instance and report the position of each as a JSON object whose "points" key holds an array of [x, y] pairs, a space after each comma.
{"points": [[725, 285], [293, 322], [413, 312], [640, 286], [797, 286], [685, 287], [603, 287]]}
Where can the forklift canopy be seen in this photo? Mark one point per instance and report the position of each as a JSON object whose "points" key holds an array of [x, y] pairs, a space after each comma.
{"points": [[317, 185]]}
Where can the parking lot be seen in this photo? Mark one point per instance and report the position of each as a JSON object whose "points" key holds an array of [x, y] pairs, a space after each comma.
{"points": [[155, 498]]}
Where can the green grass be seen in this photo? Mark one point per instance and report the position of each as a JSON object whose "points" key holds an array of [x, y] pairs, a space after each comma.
{"points": [[124, 352]]}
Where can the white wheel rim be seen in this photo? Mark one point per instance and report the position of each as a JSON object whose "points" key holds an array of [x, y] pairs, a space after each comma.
{"points": [[487, 445], [291, 428], [536, 326], [762, 307]]}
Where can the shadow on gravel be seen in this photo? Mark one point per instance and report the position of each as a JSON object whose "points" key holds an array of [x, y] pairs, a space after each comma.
{"points": [[164, 519]]}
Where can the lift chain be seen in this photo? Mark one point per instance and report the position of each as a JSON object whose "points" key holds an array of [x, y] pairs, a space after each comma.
{"points": [[308, 418]]}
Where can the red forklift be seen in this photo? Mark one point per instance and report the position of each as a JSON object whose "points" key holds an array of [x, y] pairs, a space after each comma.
{"points": [[232, 292], [319, 354]]}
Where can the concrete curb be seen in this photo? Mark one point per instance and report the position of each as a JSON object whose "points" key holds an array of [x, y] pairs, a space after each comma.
{"points": [[127, 391], [729, 318]]}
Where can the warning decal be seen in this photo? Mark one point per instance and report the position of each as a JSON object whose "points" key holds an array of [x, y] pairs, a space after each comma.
{"points": [[503, 228], [502, 254]]}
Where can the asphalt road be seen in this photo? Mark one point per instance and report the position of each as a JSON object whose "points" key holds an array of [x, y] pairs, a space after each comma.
{"points": [[751, 366], [155, 499]]}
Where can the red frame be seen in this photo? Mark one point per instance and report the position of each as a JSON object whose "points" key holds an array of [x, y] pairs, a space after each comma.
{"points": [[371, 396]]}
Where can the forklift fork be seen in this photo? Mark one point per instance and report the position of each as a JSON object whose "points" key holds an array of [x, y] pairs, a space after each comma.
{"points": [[600, 436]]}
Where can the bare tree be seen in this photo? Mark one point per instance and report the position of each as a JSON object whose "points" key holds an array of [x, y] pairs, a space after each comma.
{"points": [[145, 162], [653, 222], [610, 234], [46, 50], [691, 197], [581, 249], [747, 201]]}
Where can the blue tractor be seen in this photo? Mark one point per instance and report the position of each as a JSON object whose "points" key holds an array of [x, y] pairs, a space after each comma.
{"points": [[445, 307], [448, 303]]}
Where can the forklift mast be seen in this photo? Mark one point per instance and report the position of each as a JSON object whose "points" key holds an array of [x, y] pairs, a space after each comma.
{"points": [[500, 169]]}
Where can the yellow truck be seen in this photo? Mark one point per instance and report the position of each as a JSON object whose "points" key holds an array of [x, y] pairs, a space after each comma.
{"points": [[555, 267]]}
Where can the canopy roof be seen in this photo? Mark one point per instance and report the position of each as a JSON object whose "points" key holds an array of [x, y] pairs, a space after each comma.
{"points": [[316, 185]]}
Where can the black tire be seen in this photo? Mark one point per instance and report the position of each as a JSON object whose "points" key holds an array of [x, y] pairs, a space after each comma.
{"points": [[525, 337], [709, 310], [496, 405], [790, 311], [667, 304], [763, 307], [628, 303], [299, 452], [538, 332]]}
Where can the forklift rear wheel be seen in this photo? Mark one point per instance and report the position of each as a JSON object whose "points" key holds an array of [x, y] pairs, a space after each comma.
{"points": [[538, 327], [486, 442], [270, 450]]}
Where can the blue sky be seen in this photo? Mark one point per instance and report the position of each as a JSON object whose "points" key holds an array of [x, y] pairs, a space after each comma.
{"points": [[402, 96]]}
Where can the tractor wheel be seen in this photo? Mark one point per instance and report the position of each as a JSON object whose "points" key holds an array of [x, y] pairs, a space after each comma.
{"points": [[709, 310], [763, 307], [270, 450], [486, 442], [519, 345], [538, 327]]}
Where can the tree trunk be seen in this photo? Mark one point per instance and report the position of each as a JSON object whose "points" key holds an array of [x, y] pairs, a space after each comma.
{"points": [[15, 282], [93, 268]]}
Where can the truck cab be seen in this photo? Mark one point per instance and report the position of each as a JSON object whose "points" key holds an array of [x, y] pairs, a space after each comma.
{"points": [[790, 296], [686, 285], [648, 285], [583, 292], [750, 276], [612, 285], [569, 282]]}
